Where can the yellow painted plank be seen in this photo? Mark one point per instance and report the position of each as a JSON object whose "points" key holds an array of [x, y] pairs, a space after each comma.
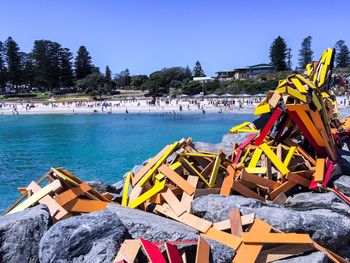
{"points": [[316, 101], [289, 156], [159, 163], [248, 130], [240, 126], [298, 85], [306, 81], [296, 94], [187, 164], [126, 189], [274, 159], [262, 109], [256, 170], [255, 158], [214, 172], [158, 186], [281, 90]]}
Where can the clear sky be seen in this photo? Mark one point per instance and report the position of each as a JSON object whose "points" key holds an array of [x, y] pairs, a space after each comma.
{"points": [[145, 36]]}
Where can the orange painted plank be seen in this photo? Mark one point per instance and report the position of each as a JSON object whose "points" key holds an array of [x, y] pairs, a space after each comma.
{"points": [[72, 193], [236, 222], [228, 181], [85, 206], [282, 188], [245, 191], [203, 251], [173, 202], [223, 237], [276, 238], [259, 180], [320, 169], [299, 179], [176, 179]]}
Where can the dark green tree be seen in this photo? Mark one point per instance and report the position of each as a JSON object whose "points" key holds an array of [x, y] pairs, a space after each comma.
{"points": [[66, 70], [137, 81], [83, 63], [3, 69], [198, 71], [108, 73], [289, 59], [342, 58], [13, 60], [305, 53], [123, 79], [278, 53], [28, 69]]}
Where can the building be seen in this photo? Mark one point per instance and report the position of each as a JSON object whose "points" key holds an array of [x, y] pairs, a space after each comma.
{"points": [[203, 79], [245, 72]]}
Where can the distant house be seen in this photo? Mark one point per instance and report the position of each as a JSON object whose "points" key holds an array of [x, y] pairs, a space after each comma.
{"points": [[245, 72], [202, 79]]}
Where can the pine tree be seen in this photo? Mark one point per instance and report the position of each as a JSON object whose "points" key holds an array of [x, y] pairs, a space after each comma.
{"points": [[289, 59], [198, 71], [2, 66], [342, 56], [83, 64], [13, 60], [66, 70], [108, 73], [278, 53], [305, 53], [28, 69]]}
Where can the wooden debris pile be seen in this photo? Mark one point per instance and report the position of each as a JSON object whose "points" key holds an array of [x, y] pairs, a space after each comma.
{"points": [[64, 194], [293, 142], [253, 240]]}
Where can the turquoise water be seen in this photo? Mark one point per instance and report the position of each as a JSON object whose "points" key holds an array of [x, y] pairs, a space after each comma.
{"points": [[94, 147]]}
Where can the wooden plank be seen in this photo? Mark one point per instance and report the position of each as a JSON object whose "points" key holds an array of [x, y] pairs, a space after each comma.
{"points": [[245, 191], [54, 186], [282, 188], [320, 169], [152, 251], [173, 202], [79, 205], [158, 186], [186, 199], [57, 212], [172, 253], [311, 127], [275, 98], [169, 151], [270, 123], [226, 224], [261, 109], [276, 238], [206, 191], [299, 179], [223, 237], [331, 255], [280, 199], [281, 252], [259, 180], [289, 156], [176, 179], [247, 141], [236, 223], [298, 85], [128, 250], [71, 194], [240, 126], [296, 94], [274, 159], [188, 166], [203, 251], [255, 158], [249, 253], [215, 169], [228, 181], [126, 189]]}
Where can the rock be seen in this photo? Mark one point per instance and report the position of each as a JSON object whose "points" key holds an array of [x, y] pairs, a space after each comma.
{"points": [[344, 161], [20, 234], [101, 187], [220, 252], [309, 201], [316, 257], [152, 227], [325, 226], [343, 184], [207, 147], [94, 237]]}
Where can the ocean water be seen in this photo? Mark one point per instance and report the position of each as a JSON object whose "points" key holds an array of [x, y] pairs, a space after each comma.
{"points": [[94, 147]]}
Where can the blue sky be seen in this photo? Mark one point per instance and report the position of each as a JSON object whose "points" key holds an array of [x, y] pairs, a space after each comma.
{"points": [[145, 36]]}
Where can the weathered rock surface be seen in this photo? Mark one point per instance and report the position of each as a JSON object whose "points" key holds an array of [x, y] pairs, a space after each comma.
{"points": [[324, 225], [316, 257], [220, 252], [101, 187], [94, 237], [20, 234], [343, 184], [151, 227]]}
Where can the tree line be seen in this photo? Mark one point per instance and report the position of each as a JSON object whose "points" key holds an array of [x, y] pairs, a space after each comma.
{"points": [[50, 67], [280, 54]]}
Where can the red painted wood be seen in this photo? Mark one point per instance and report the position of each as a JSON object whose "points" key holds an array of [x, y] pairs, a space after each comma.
{"points": [[313, 185], [295, 117], [238, 155], [276, 114], [152, 251], [247, 141], [328, 173], [173, 253], [341, 195]]}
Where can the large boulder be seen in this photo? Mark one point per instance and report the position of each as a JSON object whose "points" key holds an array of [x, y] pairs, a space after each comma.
{"points": [[151, 227], [343, 184], [325, 226], [94, 237], [102, 187], [20, 234], [316, 257]]}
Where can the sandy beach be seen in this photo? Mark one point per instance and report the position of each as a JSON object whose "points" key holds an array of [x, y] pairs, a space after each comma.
{"points": [[143, 106]]}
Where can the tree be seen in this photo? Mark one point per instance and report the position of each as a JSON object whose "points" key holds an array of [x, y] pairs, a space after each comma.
{"points": [[198, 71], [342, 54], [28, 69], [305, 53], [289, 59], [66, 70], [83, 64], [123, 79], [13, 60], [2, 66], [108, 73], [137, 81], [278, 53]]}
